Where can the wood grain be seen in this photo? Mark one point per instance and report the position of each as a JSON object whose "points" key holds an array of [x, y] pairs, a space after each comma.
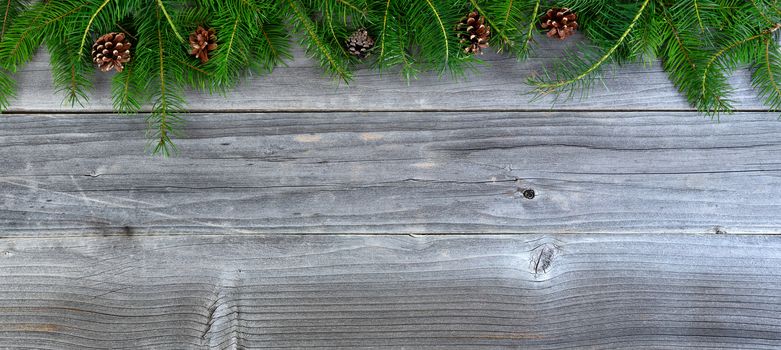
{"points": [[458, 292], [394, 173], [498, 85]]}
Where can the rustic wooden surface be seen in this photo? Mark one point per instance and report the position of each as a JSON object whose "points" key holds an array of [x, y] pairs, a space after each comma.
{"points": [[394, 172], [491, 292], [638, 210]]}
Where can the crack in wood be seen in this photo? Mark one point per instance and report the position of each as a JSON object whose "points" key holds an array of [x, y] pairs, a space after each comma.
{"points": [[210, 318]]}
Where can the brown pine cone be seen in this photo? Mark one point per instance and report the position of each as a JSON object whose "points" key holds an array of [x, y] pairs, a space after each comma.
{"points": [[111, 51], [474, 33], [359, 43], [560, 22], [202, 41]]}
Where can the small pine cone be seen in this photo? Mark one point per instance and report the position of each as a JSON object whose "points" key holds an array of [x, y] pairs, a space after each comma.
{"points": [[560, 22], [360, 43], [474, 33], [111, 51], [202, 41]]}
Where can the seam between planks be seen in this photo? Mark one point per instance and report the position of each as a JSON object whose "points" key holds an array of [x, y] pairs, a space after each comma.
{"points": [[398, 234], [327, 111]]}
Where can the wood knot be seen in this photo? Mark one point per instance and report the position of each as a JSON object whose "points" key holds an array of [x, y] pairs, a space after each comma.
{"points": [[542, 258], [528, 193]]}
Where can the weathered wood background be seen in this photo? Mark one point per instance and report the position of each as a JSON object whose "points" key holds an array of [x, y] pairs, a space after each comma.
{"points": [[651, 227]]}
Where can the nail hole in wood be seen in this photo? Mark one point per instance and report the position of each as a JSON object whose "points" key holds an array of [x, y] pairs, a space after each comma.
{"points": [[528, 194]]}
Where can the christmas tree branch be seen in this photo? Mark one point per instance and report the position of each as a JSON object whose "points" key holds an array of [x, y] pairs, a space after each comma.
{"points": [[768, 64], [697, 14], [321, 48], [495, 28], [767, 75], [762, 13], [170, 22], [89, 24], [441, 25], [678, 39], [122, 91], [6, 12], [559, 84], [384, 29], [163, 127], [6, 90], [532, 25], [332, 30], [68, 68], [164, 107], [706, 71], [353, 7], [10, 10]]}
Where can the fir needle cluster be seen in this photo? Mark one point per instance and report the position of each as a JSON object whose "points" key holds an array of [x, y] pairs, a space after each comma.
{"points": [[698, 42]]}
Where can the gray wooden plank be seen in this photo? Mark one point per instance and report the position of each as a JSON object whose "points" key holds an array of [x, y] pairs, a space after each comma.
{"points": [[499, 85], [394, 172], [446, 292]]}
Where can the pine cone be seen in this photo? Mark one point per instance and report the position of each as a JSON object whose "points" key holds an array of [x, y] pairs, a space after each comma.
{"points": [[474, 33], [560, 22], [359, 43], [110, 51], [202, 41]]}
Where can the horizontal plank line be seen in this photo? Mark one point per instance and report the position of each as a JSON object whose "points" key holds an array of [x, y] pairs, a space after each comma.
{"points": [[433, 110], [76, 236]]}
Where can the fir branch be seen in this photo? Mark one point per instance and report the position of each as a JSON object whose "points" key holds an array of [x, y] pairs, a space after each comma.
{"points": [[170, 22], [6, 90], [430, 26], [769, 63], [157, 76], [384, 30], [766, 78], [70, 72], [441, 26], [124, 92], [713, 102], [353, 7], [543, 87], [697, 14], [23, 44], [10, 10], [276, 54], [532, 25], [762, 13], [676, 34], [494, 27], [509, 10], [231, 58], [89, 24], [6, 11], [332, 30], [408, 69], [163, 110], [165, 106], [321, 50], [228, 54], [508, 20], [272, 46]]}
